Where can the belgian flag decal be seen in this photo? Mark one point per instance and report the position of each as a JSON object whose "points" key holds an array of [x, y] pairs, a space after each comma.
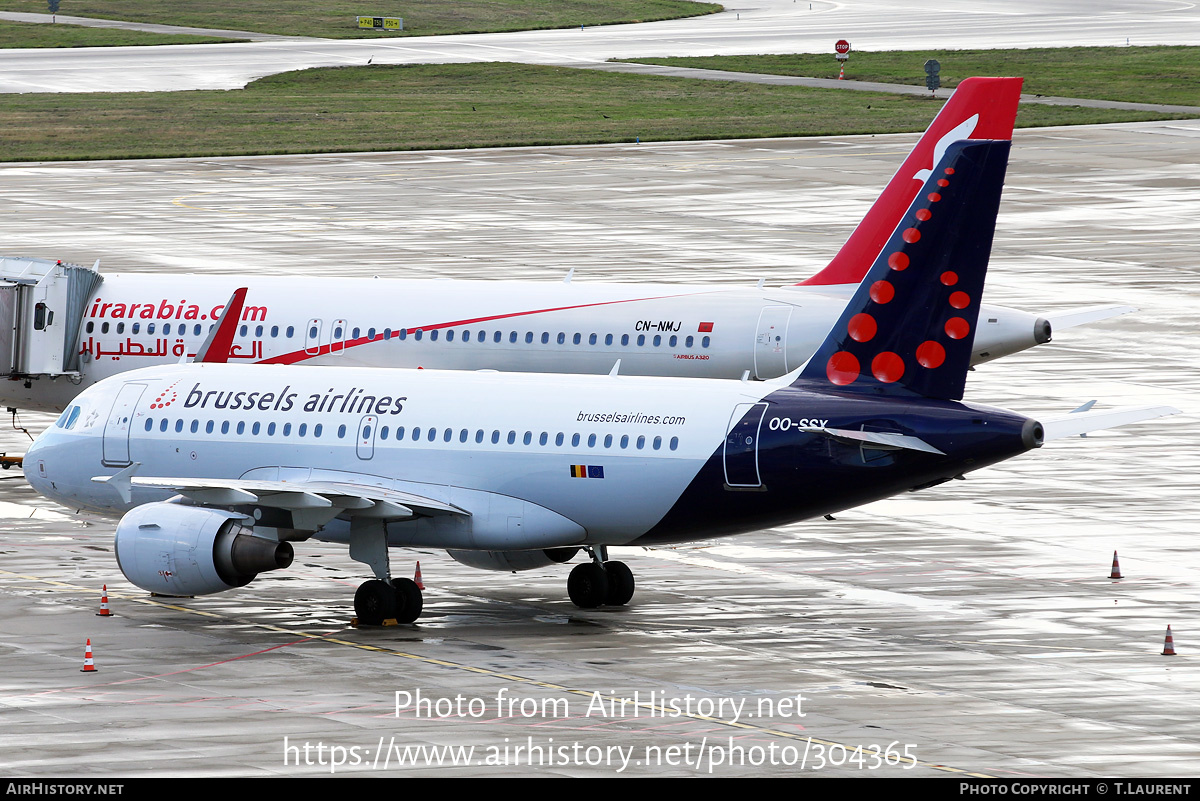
{"points": [[587, 471]]}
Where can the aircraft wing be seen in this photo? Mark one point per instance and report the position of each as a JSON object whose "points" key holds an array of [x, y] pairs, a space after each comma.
{"points": [[1081, 422], [328, 497]]}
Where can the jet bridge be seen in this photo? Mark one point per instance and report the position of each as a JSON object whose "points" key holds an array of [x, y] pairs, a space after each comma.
{"points": [[42, 303]]}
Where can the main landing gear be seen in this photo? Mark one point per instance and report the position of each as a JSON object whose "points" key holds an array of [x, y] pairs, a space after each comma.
{"points": [[383, 597], [600, 582], [377, 601]]}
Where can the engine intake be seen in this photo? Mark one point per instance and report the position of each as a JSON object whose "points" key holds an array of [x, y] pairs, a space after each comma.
{"points": [[172, 549]]}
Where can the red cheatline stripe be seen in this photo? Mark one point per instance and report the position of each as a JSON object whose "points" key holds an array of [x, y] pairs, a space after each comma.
{"points": [[301, 355]]}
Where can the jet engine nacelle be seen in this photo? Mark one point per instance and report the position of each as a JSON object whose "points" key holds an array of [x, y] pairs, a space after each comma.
{"points": [[187, 550], [512, 561]]}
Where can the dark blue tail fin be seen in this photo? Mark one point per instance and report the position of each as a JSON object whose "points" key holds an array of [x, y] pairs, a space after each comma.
{"points": [[909, 328]]}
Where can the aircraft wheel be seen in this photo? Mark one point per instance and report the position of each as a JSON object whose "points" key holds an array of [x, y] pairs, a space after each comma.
{"points": [[588, 585], [409, 600], [374, 602], [620, 583]]}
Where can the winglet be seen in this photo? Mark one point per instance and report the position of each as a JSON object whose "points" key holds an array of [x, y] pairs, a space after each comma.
{"points": [[216, 346], [980, 108]]}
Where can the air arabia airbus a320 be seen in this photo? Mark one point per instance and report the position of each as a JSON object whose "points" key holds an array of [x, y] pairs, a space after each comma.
{"points": [[218, 468], [73, 328]]}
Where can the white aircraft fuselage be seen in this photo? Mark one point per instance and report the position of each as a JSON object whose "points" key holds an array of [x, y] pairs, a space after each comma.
{"points": [[697, 331], [505, 448]]}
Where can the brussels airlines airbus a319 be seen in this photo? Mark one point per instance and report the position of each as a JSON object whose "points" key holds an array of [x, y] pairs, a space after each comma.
{"points": [[68, 327], [218, 468]]}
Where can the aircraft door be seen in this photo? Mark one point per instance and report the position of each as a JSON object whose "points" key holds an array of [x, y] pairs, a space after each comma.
{"points": [[741, 446], [366, 436], [770, 342], [312, 338], [116, 428]]}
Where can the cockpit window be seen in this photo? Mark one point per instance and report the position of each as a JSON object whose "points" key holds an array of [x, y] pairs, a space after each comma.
{"points": [[68, 418]]}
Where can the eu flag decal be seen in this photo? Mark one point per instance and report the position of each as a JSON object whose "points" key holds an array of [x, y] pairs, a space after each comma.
{"points": [[587, 471]]}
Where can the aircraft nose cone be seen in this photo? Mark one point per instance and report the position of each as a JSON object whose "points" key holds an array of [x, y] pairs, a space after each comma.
{"points": [[34, 462]]}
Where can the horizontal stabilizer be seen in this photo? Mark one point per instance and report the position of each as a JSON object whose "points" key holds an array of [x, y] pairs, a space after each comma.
{"points": [[1080, 423], [1087, 315], [879, 439]]}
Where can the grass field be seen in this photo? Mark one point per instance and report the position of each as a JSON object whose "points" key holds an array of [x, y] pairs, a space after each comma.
{"points": [[335, 19], [454, 106], [19, 34], [1134, 74]]}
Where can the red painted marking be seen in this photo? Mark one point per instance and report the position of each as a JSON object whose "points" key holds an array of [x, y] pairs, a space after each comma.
{"points": [[949, 278], [898, 261], [934, 197], [957, 328], [911, 235], [303, 355], [994, 100], [943, 183], [887, 367], [924, 214], [882, 292], [842, 368], [930, 354], [862, 328], [960, 300], [218, 349]]}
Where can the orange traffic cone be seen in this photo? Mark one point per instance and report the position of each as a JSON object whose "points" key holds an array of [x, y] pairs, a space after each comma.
{"points": [[89, 666], [417, 578], [1116, 568], [104, 604], [1168, 644]]}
